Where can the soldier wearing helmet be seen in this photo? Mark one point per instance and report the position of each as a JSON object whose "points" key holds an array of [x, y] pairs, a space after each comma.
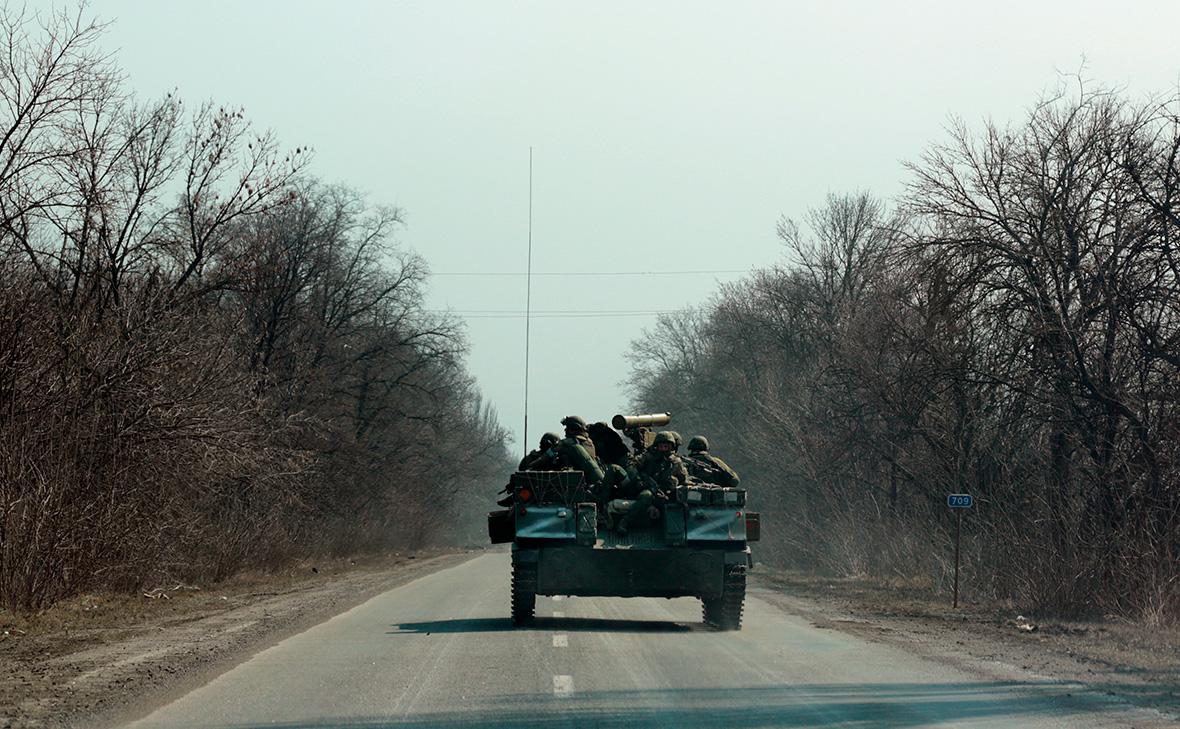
{"points": [[660, 462], [537, 460], [575, 431], [706, 467], [658, 472], [575, 451], [547, 441]]}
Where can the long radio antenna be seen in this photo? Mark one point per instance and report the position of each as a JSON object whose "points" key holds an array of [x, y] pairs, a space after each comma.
{"points": [[528, 306]]}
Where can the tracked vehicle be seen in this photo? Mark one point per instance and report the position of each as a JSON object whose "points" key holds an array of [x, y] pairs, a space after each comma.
{"points": [[693, 543]]}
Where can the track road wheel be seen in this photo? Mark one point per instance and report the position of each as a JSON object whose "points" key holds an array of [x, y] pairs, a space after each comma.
{"points": [[728, 615], [524, 592]]}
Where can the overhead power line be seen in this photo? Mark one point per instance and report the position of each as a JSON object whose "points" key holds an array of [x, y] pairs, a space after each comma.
{"points": [[590, 273], [554, 311], [554, 314]]}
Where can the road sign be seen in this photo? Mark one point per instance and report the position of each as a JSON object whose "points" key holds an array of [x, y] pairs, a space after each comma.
{"points": [[960, 501]]}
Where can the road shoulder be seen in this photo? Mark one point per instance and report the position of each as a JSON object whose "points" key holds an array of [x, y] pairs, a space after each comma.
{"points": [[1121, 662], [105, 660]]}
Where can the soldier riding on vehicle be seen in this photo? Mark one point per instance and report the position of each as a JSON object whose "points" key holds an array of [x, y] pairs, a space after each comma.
{"points": [[658, 473], [705, 467], [547, 441], [575, 451], [674, 536], [533, 461]]}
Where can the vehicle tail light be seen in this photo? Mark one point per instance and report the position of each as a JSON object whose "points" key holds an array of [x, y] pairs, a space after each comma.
{"points": [[524, 494]]}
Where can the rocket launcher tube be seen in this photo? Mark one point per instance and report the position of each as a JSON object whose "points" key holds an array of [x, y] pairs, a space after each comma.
{"points": [[624, 422]]}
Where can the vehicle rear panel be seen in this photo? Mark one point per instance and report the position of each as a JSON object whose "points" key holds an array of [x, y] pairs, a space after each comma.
{"points": [[590, 572]]}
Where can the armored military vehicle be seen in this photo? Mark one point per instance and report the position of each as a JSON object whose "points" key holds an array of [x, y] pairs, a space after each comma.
{"points": [[693, 543]]}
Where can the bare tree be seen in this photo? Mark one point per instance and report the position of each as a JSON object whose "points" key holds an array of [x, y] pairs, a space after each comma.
{"points": [[1012, 333], [207, 359]]}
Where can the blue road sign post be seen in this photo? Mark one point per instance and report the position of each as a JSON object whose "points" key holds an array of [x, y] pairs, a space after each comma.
{"points": [[958, 502]]}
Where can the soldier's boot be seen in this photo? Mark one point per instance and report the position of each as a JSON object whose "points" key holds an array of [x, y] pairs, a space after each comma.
{"points": [[654, 505], [638, 510]]}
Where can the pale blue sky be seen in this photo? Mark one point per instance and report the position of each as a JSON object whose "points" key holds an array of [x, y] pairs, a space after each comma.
{"points": [[665, 134]]}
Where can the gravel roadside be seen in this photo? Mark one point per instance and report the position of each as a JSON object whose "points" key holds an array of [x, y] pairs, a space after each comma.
{"points": [[1125, 662], [101, 660]]}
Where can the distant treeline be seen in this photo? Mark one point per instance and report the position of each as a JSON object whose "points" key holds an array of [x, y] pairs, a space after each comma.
{"points": [[208, 359], [1009, 328]]}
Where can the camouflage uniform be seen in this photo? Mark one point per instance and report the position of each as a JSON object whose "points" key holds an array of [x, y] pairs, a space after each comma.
{"points": [[656, 474], [566, 443], [665, 471], [576, 450], [536, 460], [575, 432], [708, 468], [616, 477], [615, 483], [547, 441]]}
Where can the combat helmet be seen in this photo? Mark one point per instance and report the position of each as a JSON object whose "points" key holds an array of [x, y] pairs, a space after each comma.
{"points": [[698, 443], [677, 441], [664, 436], [575, 423], [549, 440]]}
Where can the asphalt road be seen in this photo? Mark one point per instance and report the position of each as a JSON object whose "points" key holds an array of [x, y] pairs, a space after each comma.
{"points": [[441, 652]]}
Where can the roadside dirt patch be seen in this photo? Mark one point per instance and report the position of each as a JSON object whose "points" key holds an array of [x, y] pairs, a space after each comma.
{"points": [[99, 660], [1133, 663]]}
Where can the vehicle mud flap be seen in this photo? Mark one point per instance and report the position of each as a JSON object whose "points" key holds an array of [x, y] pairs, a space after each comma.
{"points": [[725, 612], [524, 588], [501, 526], [753, 526]]}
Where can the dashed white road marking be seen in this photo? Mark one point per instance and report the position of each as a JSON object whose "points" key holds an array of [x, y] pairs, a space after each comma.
{"points": [[563, 685], [558, 614], [561, 640]]}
